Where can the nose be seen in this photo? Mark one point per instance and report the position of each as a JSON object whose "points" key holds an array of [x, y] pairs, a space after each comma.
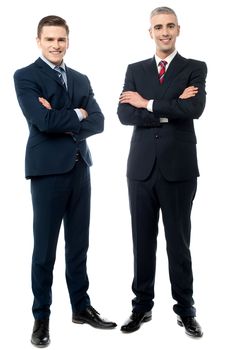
{"points": [[56, 44], [165, 32]]}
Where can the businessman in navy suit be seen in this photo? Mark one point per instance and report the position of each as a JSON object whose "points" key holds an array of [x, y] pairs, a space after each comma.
{"points": [[161, 100], [61, 113]]}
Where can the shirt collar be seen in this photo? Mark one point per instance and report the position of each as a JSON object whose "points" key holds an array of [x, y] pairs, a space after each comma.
{"points": [[168, 59], [52, 65]]}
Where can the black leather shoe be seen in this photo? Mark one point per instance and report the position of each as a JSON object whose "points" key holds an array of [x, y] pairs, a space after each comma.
{"points": [[40, 334], [135, 321], [92, 317], [192, 327]]}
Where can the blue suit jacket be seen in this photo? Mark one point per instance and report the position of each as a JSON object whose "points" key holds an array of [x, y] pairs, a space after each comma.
{"points": [[56, 135], [172, 146]]}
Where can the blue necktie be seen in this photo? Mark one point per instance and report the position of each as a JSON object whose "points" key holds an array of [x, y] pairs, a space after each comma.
{"points": [[59, 71]]}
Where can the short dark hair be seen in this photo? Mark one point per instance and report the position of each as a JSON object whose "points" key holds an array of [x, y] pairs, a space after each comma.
{"points": [[52, 21]]}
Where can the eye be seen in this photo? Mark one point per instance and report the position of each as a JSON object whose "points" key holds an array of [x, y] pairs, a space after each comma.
{"points": [[171, 26], [157, 27]]}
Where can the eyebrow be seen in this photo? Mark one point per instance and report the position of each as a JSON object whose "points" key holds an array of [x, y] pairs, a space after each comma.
{"points": [[52, 38], [167, 24]]}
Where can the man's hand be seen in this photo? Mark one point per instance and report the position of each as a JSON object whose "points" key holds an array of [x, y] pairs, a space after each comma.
{"points": [[84, 113], [189, 92], [45, 103], [134, 99]]}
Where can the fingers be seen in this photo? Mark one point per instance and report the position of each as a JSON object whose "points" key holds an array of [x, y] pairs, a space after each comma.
{"points": [[190, 91], [84, 113], [126, 96], [191, 88], [134, 99], [45, 103]]}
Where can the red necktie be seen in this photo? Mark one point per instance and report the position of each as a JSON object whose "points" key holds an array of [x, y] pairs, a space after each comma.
{"points": [[162, 65]]}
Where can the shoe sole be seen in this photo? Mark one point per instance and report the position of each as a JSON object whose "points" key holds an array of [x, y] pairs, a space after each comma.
{"points": [[147, 319], [180, 323], [77, 321], [40, 346], [92, 325]]}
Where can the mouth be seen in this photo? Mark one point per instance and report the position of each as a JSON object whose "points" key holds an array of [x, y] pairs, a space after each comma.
{"points": [[165, 41], [55, 52]]}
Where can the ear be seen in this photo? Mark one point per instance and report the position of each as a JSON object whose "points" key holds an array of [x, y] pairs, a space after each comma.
{"points": [[178, 30], [38, 42], [151, 34]]}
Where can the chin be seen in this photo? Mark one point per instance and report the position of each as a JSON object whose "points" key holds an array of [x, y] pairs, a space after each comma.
{"points": [[57, 62], [167, 50]]}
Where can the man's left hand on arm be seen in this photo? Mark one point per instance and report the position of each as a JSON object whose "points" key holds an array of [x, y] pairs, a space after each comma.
{"points": [[134, 99]]}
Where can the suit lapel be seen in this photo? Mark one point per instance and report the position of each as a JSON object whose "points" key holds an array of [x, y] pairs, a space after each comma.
{"points": [[44, 67], [70, 82], [175, 67], [151, 75]]}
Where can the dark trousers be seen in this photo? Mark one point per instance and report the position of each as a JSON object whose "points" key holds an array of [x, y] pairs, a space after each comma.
{"points": [[55, 198], [175, 201]]}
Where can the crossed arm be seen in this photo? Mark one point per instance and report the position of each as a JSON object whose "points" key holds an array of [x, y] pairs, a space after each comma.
{"points": [[136, 100], [131, 97], [47, 105]]}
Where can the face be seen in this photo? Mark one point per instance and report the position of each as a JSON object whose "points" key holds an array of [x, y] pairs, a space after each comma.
{"points": [[53, 43], [164, 30]]}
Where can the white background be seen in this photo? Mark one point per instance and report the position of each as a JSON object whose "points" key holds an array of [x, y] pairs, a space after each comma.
{"points": [[105, 37]]}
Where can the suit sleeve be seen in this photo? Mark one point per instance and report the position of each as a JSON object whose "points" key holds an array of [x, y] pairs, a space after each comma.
{"points": [[191, 108], [28, 91], [94, 123], [130, 115]]}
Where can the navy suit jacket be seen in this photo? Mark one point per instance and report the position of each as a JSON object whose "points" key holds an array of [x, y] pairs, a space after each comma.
{"points": [[172, 146], [56, 135]]}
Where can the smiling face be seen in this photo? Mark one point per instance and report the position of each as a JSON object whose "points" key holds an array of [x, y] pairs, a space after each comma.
{"points": [[53, 42], [164, 30]]}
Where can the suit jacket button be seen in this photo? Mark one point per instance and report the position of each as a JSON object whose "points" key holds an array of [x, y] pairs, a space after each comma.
{"points": [[156, 136]]}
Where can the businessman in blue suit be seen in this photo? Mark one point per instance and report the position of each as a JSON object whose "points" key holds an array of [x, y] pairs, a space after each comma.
{"points": [[161, 98], [61, 112]]}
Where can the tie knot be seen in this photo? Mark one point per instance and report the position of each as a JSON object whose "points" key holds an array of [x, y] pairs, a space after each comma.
{"points": [[59, 69], [163, 64]]}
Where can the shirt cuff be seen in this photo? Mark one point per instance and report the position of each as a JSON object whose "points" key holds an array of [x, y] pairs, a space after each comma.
{"points": [[79, 114], [150, 106]]}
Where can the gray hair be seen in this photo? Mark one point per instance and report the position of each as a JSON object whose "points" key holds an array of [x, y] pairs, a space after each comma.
{"points": [[162, 10]]}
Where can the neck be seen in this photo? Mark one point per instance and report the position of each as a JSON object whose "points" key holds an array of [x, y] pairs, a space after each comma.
{"points": [[164, 54]]}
